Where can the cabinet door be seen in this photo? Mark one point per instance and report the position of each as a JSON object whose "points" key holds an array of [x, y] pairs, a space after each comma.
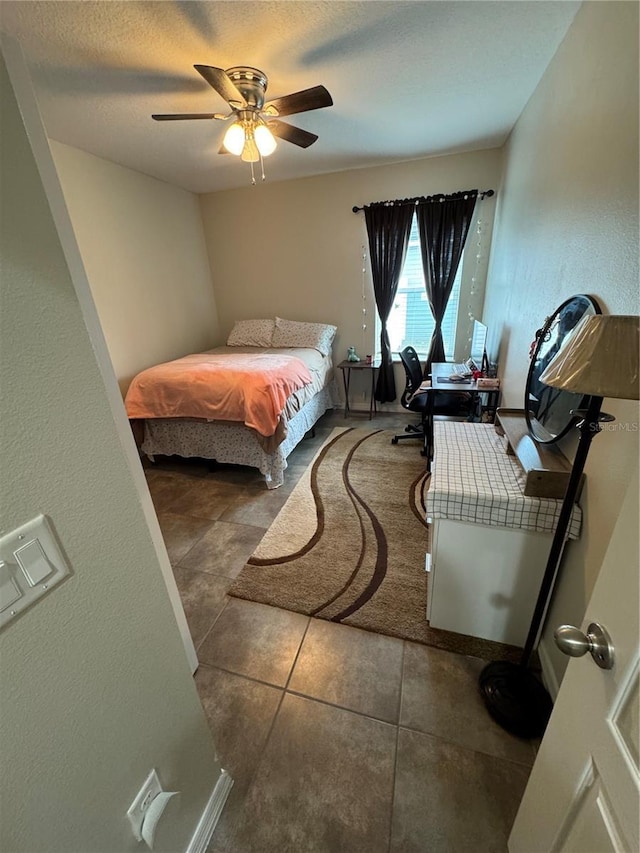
{"points": [[485, 580]]}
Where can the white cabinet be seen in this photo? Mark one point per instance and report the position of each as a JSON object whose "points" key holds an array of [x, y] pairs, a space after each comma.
{"points": [[484, 581]]}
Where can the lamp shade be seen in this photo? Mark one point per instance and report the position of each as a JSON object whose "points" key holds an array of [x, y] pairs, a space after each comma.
{"points": [[264, 140], [599, 358], [234, 138]]}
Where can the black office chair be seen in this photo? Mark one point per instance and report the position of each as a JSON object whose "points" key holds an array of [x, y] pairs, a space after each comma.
{"points": [[420, 403], [428, 404]]}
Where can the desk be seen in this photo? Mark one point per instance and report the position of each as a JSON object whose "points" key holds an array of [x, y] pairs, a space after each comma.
{"points": [[442, 371], [346, 367]]}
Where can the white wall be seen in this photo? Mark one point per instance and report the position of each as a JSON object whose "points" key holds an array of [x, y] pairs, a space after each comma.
{"points": [[294, 248], [142, 244], [567, 223], [96, 689]]}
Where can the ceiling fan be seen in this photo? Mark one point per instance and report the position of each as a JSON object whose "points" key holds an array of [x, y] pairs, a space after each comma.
{"points": [[251, 136]]}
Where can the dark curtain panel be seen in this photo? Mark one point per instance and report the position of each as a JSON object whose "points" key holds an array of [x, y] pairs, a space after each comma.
{"points": [[443, 227], [388, 228]]}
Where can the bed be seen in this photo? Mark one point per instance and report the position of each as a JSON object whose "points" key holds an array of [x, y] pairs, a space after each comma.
{"points": [[304, 349]]}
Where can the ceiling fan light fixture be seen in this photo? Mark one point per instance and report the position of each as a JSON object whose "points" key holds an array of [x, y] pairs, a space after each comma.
{"points": [[250, 137], [234, 139], [265, 140]]}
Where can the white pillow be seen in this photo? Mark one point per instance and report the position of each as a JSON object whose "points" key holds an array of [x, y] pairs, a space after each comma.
{"points": [[251, 333], [290, 333]]}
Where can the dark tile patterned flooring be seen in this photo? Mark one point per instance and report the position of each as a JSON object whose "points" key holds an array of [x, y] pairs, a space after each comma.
{"points": [[338, 740]]}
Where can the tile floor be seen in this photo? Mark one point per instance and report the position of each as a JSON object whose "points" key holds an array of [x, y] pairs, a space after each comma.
{"points": [[338, 740]]}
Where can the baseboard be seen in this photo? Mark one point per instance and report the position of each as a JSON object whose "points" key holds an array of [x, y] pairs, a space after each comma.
{"points": [[211, 814], [548, 672]]}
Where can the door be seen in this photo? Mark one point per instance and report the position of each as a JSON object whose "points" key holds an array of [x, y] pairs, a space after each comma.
{"points": [[584, 791]]}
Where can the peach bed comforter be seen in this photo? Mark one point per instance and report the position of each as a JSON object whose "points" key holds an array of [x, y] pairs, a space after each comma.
{"points": [[251, 388]]}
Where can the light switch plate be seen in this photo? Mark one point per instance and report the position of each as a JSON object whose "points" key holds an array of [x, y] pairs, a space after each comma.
{"points": [[31, 564]]}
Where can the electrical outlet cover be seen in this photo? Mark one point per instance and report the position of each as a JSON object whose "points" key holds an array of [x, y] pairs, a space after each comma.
{"points": [[145, 796]]}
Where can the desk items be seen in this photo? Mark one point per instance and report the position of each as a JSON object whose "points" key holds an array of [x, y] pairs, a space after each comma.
{"points": [[484, 383], [352, 355], [456, 379]]}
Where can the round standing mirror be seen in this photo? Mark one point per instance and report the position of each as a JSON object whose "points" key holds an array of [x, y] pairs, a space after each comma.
{"points": [[548, 410]]}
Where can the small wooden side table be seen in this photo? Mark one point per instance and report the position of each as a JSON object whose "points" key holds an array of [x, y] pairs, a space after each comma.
{"points": [[346, 367]]}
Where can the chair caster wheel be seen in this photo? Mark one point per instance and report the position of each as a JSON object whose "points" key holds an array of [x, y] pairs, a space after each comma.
{"points": [[394, 440]]}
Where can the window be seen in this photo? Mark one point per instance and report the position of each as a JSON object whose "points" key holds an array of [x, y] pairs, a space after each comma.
{"points": [[410, 321]]}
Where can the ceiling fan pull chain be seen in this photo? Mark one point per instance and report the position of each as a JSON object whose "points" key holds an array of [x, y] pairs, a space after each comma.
{"points": [[261, 164], [253, 177]]}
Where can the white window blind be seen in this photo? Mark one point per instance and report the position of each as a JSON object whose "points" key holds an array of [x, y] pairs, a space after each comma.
{"points": [[410, 321]]}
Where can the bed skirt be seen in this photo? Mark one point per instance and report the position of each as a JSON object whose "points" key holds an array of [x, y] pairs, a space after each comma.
{"points": [[235, 443]]}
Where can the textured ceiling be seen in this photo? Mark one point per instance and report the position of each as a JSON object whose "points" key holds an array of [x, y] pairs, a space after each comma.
{"points": [[408, 79]]}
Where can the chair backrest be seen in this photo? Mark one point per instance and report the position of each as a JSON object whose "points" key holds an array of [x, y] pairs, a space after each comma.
{"points": [[413, 371]]}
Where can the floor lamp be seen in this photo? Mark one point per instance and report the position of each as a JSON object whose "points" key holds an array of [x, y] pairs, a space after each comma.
{"points": [[599, 359]]}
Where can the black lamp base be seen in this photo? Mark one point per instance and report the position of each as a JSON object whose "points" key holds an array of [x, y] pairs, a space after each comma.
{"points": [[515, 698]]}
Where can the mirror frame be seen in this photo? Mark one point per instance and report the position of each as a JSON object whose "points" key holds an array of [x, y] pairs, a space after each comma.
{"points": [[541, 336]]}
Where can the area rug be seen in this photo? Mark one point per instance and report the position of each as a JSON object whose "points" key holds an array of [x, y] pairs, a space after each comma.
{"points": [[349, 545]]}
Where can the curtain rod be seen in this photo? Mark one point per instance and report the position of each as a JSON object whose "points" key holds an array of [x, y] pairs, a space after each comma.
{"points": [[440, 197]]}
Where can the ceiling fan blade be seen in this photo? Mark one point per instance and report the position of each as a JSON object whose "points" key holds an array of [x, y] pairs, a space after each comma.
{"points": [[217, 78], [299, 102], [181, 116], [289, 133]]}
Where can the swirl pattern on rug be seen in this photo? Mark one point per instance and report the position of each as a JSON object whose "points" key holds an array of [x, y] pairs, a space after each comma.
{"points": [[349, 545]]}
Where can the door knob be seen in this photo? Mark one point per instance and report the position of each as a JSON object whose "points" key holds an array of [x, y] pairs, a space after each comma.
{"points": [[571, 641]]}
